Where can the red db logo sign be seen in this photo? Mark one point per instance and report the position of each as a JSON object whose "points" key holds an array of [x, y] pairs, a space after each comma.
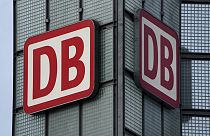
{"points": [[59, 66], [157, 61]]}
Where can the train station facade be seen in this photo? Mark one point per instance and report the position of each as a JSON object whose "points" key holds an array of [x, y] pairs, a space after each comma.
{"points": [[120, 105]]}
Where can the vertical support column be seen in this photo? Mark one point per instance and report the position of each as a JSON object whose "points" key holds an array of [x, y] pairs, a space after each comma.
{"points": [[80, 10], [14, 67], [180, 101], [161, 12], [119, 68], [143, 133], [162, 120], [47, 21]]}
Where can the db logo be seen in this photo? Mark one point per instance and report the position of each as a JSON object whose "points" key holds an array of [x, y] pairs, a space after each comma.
{"points": [[158, 59], [59, 66]]}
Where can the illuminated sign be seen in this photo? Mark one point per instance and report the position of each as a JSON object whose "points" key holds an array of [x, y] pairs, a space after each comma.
{"points": [[157, 58], [59, 66]]}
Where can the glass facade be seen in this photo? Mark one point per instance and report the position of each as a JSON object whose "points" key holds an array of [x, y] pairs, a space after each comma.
{"points": [[195, 126], [195, 29], [143, 115], [195, 69]]}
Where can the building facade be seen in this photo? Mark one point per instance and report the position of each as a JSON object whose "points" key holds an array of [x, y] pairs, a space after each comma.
{"points": [[120, 107]]}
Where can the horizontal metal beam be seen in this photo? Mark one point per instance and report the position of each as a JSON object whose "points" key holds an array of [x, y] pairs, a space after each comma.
{"points": [[195, 56], [196, 112], [130, 73], [129, 15], [107, 25], [196, 1], [17, 109], [18, 53]]}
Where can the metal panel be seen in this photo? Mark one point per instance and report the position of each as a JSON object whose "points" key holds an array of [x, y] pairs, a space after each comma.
{"points": [[128, 134], [171, 13], [186, 83], [106, 54], [63, 12], [129, 44], [195, 27], [19, 82], [152, 117], [195, 126], [119, 95], [133, 106], [99, 10], [29, 125], [171, 122], [30, 17], [97, 115], [133, 5], [64, 121], [153, 7], [195, 84]]}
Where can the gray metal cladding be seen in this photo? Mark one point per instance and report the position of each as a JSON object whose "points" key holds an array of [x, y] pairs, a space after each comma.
{"points": [[97, 114], [171, 122], [29, 125], [153, 7], [99, 10], [186, 83], [63, 12], [30, 20], [64, 121], [19, 82], [171, 13], [128, 134], [133, 5], [129, 44], [152, 117], [133, 106], [106, 54]]}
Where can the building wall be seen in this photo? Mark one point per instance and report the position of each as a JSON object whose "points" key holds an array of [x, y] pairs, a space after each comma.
{"points": [[146, 116], [195, 33], [143, 115], [87, 117], [133, 95]]}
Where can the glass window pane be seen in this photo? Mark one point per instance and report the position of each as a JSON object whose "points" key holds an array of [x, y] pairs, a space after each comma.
{"points": [[195, 84], [195, 126], [195, 28]]}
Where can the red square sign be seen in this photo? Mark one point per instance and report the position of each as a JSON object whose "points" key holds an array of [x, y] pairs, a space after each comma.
{"points": [[157, 58], [59, 66]]}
